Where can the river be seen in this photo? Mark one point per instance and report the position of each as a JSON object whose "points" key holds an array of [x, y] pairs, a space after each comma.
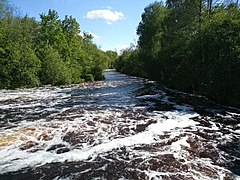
{"points": [[120, 128]]}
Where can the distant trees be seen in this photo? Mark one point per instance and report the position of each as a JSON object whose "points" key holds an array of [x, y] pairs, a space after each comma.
{"points": [[112, 56], [190, 45], [51, 51]]}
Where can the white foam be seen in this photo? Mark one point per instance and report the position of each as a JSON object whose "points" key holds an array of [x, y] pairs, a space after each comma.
{"points": [[176, 119], [176, 148], [171, 129], [237, 131], [13, 159], [25, 159]]}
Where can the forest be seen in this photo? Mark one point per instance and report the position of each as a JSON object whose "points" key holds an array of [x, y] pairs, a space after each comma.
{"points": [[189, 45], [51, 51]]}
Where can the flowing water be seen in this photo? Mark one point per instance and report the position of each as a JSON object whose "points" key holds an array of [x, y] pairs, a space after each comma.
{"points": [[120, 128]]}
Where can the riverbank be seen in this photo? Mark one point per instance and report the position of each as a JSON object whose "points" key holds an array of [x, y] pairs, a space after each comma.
{"points": [[197, 54], [220, 101]]}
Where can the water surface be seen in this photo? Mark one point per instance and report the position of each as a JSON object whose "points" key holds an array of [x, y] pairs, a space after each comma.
{"points": [[120, 128]]}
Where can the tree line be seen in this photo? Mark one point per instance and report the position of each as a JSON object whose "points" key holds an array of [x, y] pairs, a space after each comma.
{"points": [[189, 45], [50, 51]]}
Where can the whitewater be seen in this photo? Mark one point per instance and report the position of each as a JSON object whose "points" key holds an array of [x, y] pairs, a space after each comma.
{"points": [[121, 128]]}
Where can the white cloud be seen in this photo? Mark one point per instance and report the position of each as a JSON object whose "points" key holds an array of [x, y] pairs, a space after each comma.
{"points": [[109, 7], [81, 34], [95, 36], [110, 23], [108, 15]]}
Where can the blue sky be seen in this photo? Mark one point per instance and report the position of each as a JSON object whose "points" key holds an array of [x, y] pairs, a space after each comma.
{"points": [[113, 23]]}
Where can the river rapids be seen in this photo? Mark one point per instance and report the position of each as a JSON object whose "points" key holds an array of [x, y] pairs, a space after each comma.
{"points": [[120, 128]]}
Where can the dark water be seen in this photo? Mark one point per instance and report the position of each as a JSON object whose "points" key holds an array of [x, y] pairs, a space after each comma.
{"points": [[120, 128]]}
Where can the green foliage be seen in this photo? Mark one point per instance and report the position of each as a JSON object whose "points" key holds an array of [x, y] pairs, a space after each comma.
{"points": [[54, 70], [26, 67], [97, 59], [150, 38], [19, 64], [111, 58], [47, 52], [19, 67], [189, 46], [221, 39], [128, 62]]}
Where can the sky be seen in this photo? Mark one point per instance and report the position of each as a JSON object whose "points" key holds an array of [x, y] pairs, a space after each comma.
{"points": [[112, 23]]}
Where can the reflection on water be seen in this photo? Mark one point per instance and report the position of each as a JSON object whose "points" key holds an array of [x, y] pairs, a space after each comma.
{"points": [[120, 128]]}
